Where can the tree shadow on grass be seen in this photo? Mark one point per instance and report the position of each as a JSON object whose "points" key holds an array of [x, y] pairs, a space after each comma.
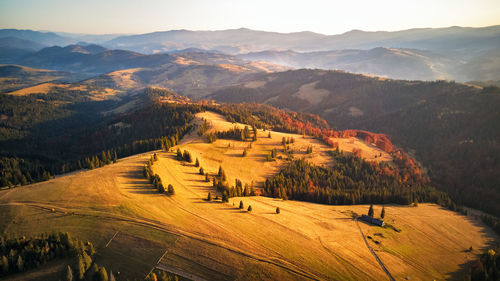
{"points": [[464, 268]]}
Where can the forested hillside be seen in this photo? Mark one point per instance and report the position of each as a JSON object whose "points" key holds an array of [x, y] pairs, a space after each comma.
{"points": [[61, 131], [452, 128]]}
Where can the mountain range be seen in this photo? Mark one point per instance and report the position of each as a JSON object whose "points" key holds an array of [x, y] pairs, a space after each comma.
{"points": [[454, 53]]}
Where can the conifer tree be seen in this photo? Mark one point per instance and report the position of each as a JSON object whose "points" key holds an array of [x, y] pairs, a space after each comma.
{"points": [[170, 190], [91, 248], [101, 274], [246, 133], [20, 264], [209, 197], [197, 164], [370, 211], [95, 268], [69, 274], [246, 191], [202, 172], [87, 261], [187, 156], [382, 214], [207, 178], [249, 208], [278, 210], [5, 265], [241, 205], [81, 268], [225, 197]]}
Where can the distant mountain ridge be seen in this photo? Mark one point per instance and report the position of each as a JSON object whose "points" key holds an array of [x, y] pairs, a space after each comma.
{"points": [[245, 40], [12, 48], [43, 38], [410, 64], [452, 53], [90, 59]]}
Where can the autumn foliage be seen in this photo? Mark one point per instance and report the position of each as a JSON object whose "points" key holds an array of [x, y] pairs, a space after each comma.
{"points": [[405, 169]]}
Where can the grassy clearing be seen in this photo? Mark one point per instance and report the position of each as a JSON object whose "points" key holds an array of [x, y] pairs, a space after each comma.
{"points": [[218, 241]]}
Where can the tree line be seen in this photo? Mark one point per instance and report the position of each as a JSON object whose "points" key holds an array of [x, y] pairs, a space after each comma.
{"points": [[160, 275], [265, 116], [157, 126], [20, 254], [220, 183], [234, 133], [351, 180], [155, 179]]}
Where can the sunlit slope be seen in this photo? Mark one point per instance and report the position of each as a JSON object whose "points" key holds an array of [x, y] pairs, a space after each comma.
{"points": [[217, 241]]}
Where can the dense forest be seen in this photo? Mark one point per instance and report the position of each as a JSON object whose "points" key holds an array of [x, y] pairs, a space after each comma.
{"points": [[20, 254], [264, 116], [350, 180], [80, 137], [451, 128]]}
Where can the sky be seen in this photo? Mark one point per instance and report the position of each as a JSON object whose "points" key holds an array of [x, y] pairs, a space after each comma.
{"points": [[326, 16]]}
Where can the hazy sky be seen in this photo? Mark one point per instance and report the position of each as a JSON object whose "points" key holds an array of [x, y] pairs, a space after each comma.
{"points": [[327, 16]]}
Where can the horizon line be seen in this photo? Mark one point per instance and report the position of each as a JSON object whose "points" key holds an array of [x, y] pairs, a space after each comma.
{"points": [[246, 28]]}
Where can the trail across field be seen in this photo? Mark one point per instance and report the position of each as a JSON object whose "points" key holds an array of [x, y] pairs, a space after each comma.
{"points": [[218, 241], [161, 227], [374, 254]]}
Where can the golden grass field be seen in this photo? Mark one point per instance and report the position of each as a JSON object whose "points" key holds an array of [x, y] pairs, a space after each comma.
{"points": [[217, 241]]}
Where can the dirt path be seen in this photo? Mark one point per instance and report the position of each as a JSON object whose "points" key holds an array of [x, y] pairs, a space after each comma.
{"points": [[171, 230], [107, 244], [374, 254]]}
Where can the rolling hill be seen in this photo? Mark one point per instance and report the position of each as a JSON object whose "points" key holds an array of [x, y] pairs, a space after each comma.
{"points": [[136, 229], [451, 128], [16, 77], [90, 59]]}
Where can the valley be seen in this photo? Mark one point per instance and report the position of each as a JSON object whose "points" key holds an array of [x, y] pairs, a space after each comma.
{"points": [[244, 154], [135, 229]]}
